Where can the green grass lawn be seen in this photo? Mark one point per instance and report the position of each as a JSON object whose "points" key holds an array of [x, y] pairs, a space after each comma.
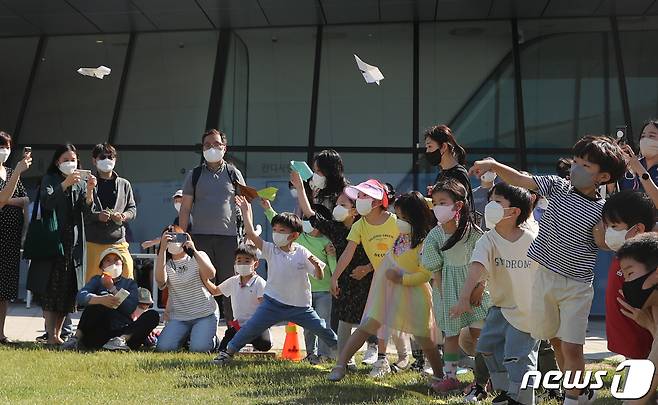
{"points": [[31, 374]]}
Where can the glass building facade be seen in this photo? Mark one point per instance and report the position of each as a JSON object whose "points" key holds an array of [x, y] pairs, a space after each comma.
{"points": [[520, 90]]}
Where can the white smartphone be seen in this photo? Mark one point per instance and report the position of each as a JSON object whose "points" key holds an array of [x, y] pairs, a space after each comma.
{"points": [[84, 174]]}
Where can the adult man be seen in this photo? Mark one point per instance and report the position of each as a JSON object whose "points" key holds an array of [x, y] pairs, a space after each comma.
{"points": [[112, 206], [209, 195]]}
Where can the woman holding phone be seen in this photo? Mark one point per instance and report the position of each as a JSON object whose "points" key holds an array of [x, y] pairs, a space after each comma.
{"points": [[63, 192], [13, 201], [193, 311]]}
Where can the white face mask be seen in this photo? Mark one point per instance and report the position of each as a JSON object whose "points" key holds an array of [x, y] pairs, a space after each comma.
{"points": [[649, 147], [177, 206], [243, 269], [493, 214], [318, 181], [113, 270], [340, 213], [364, 206], [68, 167], [488, 177], [213, 155], [293, 193], [307, 227], [280, 239], [403, 226], [615, 238], [4, 154], [542, 204], [444, 213], [175, 248], [105, 165]]}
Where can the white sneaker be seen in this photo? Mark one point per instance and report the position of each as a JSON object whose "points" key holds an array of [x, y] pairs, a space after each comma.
{"points": [[401, 365], [427, 369], [370, 356], [380, 368], [116, 343]]}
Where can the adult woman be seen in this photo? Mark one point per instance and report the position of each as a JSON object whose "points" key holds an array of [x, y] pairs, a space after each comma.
{"points": [[193, 312], [328, 179], [442, 150], [649, 159], [64, 193], [13, 201]]}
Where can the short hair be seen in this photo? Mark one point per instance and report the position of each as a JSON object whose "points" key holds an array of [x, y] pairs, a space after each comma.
{"points": [[5, 139], [210, 132], [103, 148], [630, 207], [642, 248], [247, 250], [288, 220], [563, 167], [603, 152], [518, 197]]}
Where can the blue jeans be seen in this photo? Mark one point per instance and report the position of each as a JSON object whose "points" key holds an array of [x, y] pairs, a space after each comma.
{"points": [[509, 354], [201, 332], [270, 312], [322, 305]]}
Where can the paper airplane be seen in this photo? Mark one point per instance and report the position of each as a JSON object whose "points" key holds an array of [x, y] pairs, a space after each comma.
{"points": [[370, 73], [98, 72], [268, 193]]}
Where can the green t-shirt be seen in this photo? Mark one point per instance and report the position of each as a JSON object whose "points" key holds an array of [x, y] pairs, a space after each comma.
{"points": [[316, 245]]}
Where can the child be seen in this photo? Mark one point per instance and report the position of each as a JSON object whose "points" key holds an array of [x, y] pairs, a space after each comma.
{"points": [[246, 292], [375, 231], [563, 286], [447, 253], [318, 245], [287, 295], [639, 263], [400, 296], [143, 304], [501, 255], [625, 215], [351, 301]]}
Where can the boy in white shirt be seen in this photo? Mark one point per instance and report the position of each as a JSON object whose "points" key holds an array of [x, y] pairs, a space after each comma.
{"points": [[287, 295], [246, 290], [501, 254]]}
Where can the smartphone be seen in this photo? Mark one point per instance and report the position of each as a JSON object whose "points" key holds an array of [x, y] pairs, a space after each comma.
{"points": [[84, 174], [621, 135], [26, 150], [178, 237]]}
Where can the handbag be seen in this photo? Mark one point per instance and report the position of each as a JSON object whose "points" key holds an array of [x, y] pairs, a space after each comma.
{"points": [[42, 240], [38, 275]]}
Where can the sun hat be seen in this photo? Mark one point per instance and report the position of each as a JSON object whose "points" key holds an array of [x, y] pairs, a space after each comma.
{"points": [[372, 188]]}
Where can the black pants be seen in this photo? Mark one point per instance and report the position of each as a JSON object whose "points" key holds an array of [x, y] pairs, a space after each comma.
{"points": [[221, 250], [263, 343], [96, 331]]}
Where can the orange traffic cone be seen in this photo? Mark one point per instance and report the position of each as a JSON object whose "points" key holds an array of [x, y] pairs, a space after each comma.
{"points": [[291, 345]]}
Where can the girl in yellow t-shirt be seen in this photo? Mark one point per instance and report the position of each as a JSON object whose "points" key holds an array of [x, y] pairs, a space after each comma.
{"points": [[400, 297]]}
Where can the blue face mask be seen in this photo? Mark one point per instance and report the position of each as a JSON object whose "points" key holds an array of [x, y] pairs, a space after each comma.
{"points": [[580, 177]]}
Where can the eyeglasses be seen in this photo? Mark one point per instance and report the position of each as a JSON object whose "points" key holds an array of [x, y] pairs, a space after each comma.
{"points": [[214, 145]]}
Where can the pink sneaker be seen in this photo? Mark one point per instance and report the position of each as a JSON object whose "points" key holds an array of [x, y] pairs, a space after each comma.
{"points": [[446, 385]]}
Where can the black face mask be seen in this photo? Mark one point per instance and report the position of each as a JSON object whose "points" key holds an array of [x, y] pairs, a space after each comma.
{"points": [[633, 292], [434, 158]]}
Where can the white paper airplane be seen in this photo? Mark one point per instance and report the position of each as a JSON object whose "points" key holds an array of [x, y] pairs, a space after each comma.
{"points": [[98, 72], [370, 73]]}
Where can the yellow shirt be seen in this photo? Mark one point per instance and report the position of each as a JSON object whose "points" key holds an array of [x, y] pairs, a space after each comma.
{"points": [[414, 272], [376, 239]]}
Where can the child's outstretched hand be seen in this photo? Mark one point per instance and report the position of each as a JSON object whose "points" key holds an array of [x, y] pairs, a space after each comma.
{"points": [[394, 275], [481, 167], [296, 180], [242, 203], [476, 295], [461, 308], [265, 204]]}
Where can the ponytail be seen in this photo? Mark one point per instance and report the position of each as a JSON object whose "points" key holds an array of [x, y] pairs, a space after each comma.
{"points": [[443, 134]]}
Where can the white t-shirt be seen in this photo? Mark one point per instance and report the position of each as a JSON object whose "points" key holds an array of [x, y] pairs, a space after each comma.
{"points": [[287, 280], [244, 298], [511, 274]]}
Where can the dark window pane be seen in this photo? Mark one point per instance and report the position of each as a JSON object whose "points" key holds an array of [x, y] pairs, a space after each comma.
{"points": [[18, 54]]}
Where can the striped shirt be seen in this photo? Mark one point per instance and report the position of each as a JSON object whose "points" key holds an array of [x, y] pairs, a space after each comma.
{"points": [[188, 297], [565, 243]]}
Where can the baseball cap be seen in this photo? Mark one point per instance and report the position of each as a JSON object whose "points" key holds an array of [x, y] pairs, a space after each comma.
{"points": [[372, 188]]}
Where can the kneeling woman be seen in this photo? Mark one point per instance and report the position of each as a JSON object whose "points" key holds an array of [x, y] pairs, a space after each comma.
{"points": [[193, 311], [106, 321]]}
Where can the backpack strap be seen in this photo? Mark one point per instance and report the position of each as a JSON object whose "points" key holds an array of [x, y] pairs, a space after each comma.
{"points": [[196, 174]]}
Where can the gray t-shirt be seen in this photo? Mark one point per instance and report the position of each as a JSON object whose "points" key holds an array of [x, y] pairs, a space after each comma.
{"points": [[480, 200], [214, 209]]}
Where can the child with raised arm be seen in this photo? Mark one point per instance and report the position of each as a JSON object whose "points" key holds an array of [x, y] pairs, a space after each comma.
{"points": [[287, 296], [566, 247], [500, 256]]}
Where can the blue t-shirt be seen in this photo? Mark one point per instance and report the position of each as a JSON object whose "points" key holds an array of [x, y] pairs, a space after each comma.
{"points": [[631, 182]]}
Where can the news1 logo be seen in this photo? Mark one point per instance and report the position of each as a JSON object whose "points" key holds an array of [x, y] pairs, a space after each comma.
{"points": [[638, 379]]}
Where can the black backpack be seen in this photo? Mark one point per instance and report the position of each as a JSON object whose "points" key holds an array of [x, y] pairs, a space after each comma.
{"points": [[233, 176]]}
